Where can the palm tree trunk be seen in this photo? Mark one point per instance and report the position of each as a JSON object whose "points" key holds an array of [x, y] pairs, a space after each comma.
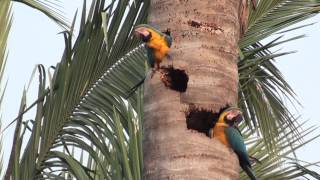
{"points": [[205, 35]]}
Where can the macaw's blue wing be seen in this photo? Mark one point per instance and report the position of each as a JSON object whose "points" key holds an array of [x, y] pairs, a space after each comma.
{"points": [[168, 40], [150, 57], [237, 144]]}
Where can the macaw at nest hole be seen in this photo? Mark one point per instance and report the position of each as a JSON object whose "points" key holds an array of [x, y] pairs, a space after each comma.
{"points": [[157, 43], [227, 132]]}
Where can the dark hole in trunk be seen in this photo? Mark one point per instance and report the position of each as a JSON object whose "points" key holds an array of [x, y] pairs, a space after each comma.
{"points": [[175, 79], [202, 120]]}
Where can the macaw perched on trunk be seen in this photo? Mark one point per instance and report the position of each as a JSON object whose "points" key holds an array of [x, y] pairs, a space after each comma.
{"points": [[226, 131], [157, 43]]}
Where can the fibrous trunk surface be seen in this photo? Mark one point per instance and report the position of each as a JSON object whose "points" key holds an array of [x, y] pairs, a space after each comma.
{"points": [[205, 35]]}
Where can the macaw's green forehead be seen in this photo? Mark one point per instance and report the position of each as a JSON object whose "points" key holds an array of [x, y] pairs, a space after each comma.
{"points": [[232, 108], [148, 27]]}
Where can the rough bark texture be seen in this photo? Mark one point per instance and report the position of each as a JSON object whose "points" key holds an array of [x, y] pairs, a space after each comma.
{"points": [[205, 35]]}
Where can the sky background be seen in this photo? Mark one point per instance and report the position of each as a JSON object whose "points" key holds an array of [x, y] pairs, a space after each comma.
{"points": [[34, 39]]}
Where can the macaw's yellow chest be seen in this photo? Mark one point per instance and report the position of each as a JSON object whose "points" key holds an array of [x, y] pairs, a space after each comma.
{"points": [[219, 133], [159, 46]]}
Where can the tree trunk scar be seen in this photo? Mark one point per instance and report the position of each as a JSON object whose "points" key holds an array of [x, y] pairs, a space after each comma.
{"points": [[206, 27]]}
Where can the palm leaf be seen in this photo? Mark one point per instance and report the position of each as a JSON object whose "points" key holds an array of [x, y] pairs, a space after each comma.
{"points": [[51, 8], [272, 16], [276, 166], [82, 64], [261, 86], [104, 119], [13, 169], [307, 171], [5, 24], [262, 89]]}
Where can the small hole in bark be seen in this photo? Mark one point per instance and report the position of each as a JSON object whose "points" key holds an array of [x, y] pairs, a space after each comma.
{"points": [[194, 23], [175, 79], [202, 120]]}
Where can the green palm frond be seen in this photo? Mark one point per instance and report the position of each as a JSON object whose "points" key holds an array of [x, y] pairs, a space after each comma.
{"points": [[5, 24], [276, 166], [59, 114], [307, 171], [13, 168], [261, 87], [263, 91], [1, 152], [51, 8], [110, 124], [272, 16]]}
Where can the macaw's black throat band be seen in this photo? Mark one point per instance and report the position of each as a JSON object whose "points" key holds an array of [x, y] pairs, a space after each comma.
{"points": [[146, 38], [229, 121]]}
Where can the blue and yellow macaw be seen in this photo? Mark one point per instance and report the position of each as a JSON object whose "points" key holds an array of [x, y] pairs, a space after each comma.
{"points": [[226, 131], [157, 43]]}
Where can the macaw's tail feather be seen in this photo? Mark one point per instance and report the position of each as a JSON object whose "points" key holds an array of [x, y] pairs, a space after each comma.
{"points": [[135, 87], [249, 172]]}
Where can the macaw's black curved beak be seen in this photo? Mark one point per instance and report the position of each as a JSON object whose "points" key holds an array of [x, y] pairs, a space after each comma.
{"points": [[143, 34], [234, 117]]}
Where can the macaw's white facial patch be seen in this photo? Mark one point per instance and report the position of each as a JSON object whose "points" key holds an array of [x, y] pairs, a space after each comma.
{"points": [[233, 113], [141, 31]]}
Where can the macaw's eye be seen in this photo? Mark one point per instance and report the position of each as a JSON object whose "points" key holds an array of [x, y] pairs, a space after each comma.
{"points": [[146, 38]]}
